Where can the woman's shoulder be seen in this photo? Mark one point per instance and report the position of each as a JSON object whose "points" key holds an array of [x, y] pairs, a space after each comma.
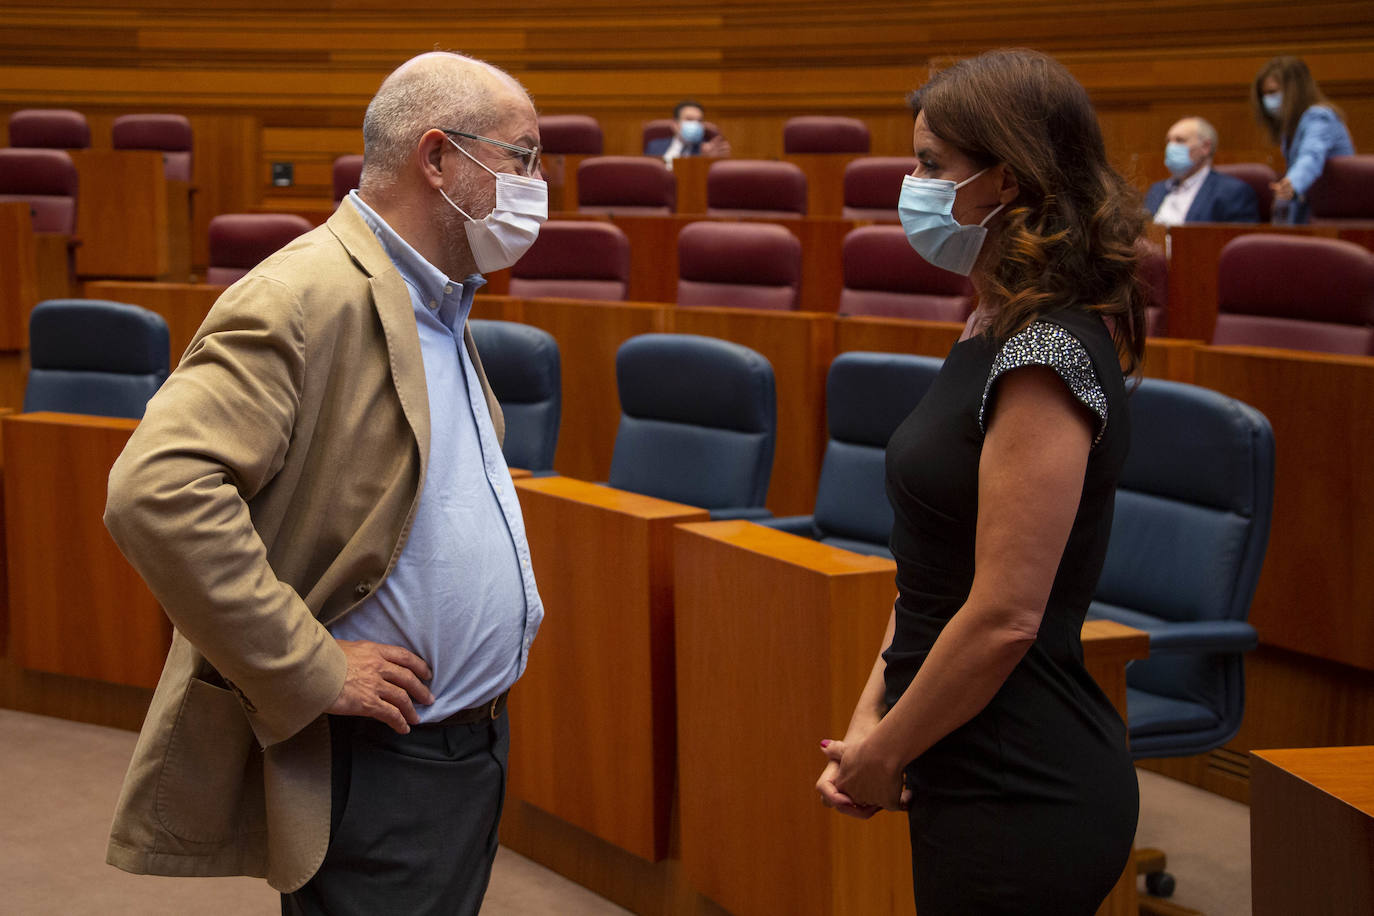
{"points": [[1319, 114]]}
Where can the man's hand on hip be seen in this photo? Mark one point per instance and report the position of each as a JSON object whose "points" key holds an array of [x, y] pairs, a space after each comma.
{"points": [[383, 683]]}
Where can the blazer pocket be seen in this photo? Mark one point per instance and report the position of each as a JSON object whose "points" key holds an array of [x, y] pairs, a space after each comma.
{"points": [[201, 782]]}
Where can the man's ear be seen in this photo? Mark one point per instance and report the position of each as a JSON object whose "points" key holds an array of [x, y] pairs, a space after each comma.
{"points": [[1010, 188], [430, 154]]}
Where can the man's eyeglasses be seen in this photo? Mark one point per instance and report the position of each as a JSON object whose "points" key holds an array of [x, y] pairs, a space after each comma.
{"points": [[529, 158]]}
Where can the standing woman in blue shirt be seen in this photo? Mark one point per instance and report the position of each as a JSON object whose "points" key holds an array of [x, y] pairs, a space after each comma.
{"points": [[1305, 125]]}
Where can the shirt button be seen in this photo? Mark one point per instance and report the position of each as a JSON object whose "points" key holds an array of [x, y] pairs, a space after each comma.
{"points": [[448, 289], [433, 305]]}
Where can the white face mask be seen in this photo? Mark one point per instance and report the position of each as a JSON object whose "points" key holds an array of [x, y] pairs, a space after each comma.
{"points": [[926, 207], [500, 238]]}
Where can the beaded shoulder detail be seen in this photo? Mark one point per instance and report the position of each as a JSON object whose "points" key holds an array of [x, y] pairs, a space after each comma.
{"points": [[1047, 344]]}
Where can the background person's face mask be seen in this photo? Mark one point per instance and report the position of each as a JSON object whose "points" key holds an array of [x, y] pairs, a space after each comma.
{"points": [[926, 207], [691, 132], [1272, 102], [500, 238], [1177, 159]]}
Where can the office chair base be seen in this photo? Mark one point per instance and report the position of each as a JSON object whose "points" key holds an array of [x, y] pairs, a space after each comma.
{"points": [[1157, 906], [1152, 864]]}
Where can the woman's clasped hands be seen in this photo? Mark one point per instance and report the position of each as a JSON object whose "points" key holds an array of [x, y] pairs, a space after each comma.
{"points": [[860, 780]]}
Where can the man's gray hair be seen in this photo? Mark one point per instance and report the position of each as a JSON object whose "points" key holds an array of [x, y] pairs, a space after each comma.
{"points": [[1207, 132], [447, 91]]}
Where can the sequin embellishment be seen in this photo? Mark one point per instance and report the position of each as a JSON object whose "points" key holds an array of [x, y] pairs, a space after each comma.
{"points": [[1047, 344]]}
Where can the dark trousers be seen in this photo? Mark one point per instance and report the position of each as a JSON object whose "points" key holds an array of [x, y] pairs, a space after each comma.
{"points": [[414, 820]]}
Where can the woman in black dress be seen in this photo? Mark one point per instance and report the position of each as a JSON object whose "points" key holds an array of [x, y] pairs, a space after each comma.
{"points": [[979, 717]]}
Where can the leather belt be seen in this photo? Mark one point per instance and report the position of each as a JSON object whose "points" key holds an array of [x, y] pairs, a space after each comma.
{"points": [[484, 713]]}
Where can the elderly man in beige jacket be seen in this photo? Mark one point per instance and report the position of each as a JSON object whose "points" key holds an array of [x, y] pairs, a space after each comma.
{"points": [[318, 499]]}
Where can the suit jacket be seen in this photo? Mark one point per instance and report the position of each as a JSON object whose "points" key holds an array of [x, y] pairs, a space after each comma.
{"points": [[659, 146], [266, 492], [1221, 199]]}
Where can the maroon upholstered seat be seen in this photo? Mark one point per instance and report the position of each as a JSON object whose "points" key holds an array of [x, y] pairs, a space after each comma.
{"points": [[239, 241], [883, 275], [1259, 177], [755, 187], [740, 265], [46, 180], [1154, 274], [664, 127], [168, 133], [348, 173], [824, 134], [573, 259], [1345, 190], [570, 135], [49, 128], [1296, 292], [625, 184], [872, 186]]}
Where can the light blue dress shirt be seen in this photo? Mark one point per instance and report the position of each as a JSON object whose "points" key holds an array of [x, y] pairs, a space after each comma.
{"points": [[461, 595]]}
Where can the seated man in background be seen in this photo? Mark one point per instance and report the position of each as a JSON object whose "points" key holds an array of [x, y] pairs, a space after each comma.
{"points": [[1195, 193], [689, 136]]}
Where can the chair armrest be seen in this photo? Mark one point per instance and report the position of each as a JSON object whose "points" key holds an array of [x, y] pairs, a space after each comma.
{"points": [[792, 524], [1203, 636]]}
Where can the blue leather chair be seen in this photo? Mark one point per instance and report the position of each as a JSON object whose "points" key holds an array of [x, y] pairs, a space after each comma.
{"points": [[1188, 539], [697, 425], [522, 365], [867, 396], [96, 357]]}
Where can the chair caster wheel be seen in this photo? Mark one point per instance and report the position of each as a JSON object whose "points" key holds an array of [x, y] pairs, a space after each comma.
{"points": [[1160, 884]]}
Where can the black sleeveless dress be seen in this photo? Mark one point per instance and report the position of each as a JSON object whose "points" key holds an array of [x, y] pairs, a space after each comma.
{"points": [[1031, 806]]}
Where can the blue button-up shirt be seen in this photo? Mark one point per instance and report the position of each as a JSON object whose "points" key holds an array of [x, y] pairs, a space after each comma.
{"points": [[461, 595]]}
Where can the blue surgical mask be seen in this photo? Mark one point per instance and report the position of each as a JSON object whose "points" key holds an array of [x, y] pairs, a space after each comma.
{"points": [[1272, 102], [691, 132], [1177, 159], [926, 206]]}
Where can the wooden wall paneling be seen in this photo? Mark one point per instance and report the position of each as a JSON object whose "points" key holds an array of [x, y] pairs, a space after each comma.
{"points": [[182, 305], [595, 709], [588, 335], [1170, 359], [1312, 831], [1322, 411], [799, 346], [76, 606], [896, 335], [18, 274], [225, 165], [121, 214]]}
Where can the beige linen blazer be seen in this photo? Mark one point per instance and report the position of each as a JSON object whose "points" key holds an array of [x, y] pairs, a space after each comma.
{"points": [[268, 489]]}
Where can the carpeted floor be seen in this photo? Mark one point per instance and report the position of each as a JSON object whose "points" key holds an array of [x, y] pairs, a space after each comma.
{"points": [[59, 780]]}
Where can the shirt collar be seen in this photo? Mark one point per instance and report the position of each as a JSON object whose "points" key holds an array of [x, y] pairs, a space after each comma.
{"points": [[1193, 180]]}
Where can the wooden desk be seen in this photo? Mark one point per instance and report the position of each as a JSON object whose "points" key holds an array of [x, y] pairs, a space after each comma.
{"points": [[594, 712], [182, 305], [775, 637], [1312, 831], [121, 214], [76, 606]]}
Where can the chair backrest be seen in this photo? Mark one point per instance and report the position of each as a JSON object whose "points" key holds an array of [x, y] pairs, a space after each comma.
{"points": [[755, 187], [659, 128], [625, 184], [1345, 190], [1189, 533], [348, 174], [574, 259], [46, 180], [49, 128], [570, 134], [872, 186], [522, 366], [91, 356], [698, 422], [741, 265], [1154, 274], [1259, 176], [883, 275], [169, 133], [824, 134], [240, 241], [867, 396], [1300, 293]]}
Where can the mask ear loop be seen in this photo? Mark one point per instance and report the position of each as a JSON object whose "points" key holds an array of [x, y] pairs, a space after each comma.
{"points": [[474, 159], [998, 209]]}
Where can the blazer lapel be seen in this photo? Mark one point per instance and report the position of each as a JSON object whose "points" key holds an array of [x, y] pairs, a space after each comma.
{"points": [[1201, 209]]}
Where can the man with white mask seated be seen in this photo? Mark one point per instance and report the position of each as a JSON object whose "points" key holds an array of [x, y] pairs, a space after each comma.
{"points": [[1196, 193], [317, 497], [689, 136]]}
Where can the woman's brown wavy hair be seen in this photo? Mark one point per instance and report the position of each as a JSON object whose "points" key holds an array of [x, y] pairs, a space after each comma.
{"points": [[1072, 237]]}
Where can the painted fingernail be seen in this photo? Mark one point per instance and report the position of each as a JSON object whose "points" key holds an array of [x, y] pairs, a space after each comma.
{"points": [[825, 742]]}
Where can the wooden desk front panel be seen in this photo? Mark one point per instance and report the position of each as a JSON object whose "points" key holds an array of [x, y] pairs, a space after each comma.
{"points": [[799, 346], [1314, 592], [121, 214], [896, 335], [76, 606], [18, 274], [182, 305], [594, 712], [1312, 831]]}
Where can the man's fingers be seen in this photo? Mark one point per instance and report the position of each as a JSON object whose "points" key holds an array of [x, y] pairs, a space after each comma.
{"points": [[405, 679], [397, 698], [405, 658]]}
